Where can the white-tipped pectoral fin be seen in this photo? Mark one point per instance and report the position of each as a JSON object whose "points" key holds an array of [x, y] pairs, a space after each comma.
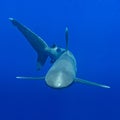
{"points": [[30, 78], [90, 83]]}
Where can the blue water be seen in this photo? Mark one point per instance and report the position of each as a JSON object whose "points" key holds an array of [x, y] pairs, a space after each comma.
{"points": [[94, 39]]}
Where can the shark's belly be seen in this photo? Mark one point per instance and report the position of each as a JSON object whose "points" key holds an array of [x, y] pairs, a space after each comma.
{"points": [[59, 77]]}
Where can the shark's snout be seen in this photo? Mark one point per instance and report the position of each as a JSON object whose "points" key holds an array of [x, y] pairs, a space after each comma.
{"points": [[58, 80]]}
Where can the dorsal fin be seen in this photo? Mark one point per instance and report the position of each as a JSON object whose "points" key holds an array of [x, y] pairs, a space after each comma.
{"points": [[66, 37]]}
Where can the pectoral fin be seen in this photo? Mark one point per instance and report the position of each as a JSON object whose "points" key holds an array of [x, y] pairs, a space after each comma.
{"points": [[90, 83], [30, 78]]}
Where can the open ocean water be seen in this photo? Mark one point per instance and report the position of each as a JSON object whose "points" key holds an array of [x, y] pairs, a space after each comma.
{"points": [[94, 39]]}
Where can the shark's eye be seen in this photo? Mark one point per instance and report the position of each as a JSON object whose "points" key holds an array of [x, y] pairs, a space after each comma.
{"points": [[58, 50]]}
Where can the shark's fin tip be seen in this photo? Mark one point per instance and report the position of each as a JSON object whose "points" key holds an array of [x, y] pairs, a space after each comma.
{"points": [[11, 19], [105, 86]]}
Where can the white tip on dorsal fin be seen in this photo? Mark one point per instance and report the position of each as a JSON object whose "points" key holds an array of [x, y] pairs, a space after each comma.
{"points": [[66, 37], [30, 78], [91, 83]]}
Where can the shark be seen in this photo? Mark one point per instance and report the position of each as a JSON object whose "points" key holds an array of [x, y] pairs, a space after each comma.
{"points": [[39, 45], [63, 71]]}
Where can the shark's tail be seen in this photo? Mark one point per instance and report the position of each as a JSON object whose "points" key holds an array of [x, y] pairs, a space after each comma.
{"points": [[36, 42]]}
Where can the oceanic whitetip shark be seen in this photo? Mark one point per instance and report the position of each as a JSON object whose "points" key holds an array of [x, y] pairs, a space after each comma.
{"points": [[39, 45], [63, 71]]}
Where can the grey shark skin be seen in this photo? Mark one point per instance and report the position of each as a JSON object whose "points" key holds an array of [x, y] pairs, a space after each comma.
{"points": [[63, 71], [39, 45]]}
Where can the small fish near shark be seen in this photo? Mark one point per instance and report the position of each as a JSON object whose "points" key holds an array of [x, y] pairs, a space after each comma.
{"points": [[63, 71]]}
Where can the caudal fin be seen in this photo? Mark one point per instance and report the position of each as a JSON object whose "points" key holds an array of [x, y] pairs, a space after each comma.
{"points": [[36, 41], [41, 59], [91, 83], [38, 44]]}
